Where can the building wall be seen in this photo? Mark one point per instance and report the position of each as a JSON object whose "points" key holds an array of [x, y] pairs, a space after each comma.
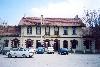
{"points": [[24, 31], [10, 39], [35, 37], [62, 37]]}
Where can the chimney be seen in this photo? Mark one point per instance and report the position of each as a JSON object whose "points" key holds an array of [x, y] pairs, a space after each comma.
{"points": [[76, 17], [42, 20], [24, 15]]}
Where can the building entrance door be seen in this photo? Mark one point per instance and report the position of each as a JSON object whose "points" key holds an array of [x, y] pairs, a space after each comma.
{"points": [[65, 44], [56, 44], [29, 43], [47, 43]]}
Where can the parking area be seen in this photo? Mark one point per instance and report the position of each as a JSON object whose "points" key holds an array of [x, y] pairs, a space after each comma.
{"points": [[52, 60]]}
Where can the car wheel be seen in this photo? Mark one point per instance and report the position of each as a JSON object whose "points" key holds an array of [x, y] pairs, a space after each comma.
{"points": [[9, 56], [24, 56], [67, 53], [30, 56], [58, 52], [35, 52], [61, 53], [15, 56]]}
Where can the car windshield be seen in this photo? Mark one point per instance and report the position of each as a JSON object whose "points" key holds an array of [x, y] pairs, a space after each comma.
{"points": [[64, 48], [14, 49], [6, 48], [40, 47]]}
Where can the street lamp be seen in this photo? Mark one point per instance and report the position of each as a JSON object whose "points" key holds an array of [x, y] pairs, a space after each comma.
{"points": [[41, 29]]}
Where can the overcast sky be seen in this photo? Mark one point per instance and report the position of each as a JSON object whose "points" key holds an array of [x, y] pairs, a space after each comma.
{"points": [[13, 10]]}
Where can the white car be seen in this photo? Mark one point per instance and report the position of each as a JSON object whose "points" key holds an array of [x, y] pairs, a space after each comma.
{"points": [[50, 50], [33, 50], [20, 52]]}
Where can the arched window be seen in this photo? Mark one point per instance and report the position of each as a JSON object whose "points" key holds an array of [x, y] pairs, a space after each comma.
{"points": [[6, 43], [87, 43], [29, 43], [65, 44], [15, 43], [74, 43]]}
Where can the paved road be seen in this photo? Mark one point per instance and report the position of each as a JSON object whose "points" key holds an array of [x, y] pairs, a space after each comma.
{"points": [[52, 60]]}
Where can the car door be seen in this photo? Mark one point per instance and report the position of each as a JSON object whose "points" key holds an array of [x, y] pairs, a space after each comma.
{"points": [[20, 52], [15, 52]]}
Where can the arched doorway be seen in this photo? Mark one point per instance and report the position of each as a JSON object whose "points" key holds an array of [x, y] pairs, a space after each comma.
{"points": [[74, 43], [47, 43], [65, 44], [15, 43], [29, 43], [56, 44], [38, 43], [6, 43]]}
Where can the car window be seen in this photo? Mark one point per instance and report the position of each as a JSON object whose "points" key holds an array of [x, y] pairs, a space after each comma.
{"points": [[24, 49], [15, 49], [20, 49]]}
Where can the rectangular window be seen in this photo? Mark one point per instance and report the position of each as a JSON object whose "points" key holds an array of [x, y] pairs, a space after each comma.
{"points": [[47, 30], [65, 30], [56, 30], [38, 30], [74, 31], [29, 30]]}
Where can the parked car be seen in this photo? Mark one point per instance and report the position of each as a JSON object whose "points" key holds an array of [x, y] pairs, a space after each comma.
{"points": [[40, 50], [20, 52], [63, 51], [33, 50], [5, 50], [50, 50]]}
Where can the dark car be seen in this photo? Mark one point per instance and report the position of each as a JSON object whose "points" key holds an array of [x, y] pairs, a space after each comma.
{"points": [[40, 50], [63, 51]]}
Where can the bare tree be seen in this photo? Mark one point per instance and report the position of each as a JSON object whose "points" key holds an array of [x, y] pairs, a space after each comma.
{"points": [[92, 21]]}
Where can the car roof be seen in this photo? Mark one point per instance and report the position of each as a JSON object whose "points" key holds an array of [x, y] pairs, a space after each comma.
{"points": [[50, 47]]}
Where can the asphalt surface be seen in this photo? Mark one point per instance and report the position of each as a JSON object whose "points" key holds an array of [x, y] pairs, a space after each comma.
{"points": [[52, 60]]}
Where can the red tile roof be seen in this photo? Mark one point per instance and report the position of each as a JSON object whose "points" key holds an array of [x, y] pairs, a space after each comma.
{"points": [[52, 21], [8, 31]]}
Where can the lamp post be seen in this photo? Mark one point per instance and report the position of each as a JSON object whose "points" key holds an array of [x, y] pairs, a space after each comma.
{"points": [[41, 29]]}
